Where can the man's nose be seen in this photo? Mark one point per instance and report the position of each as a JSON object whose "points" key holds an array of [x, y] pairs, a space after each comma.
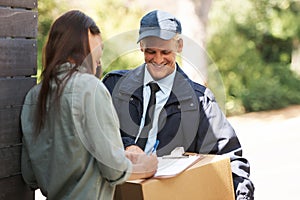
{"points": [[158, 58]]}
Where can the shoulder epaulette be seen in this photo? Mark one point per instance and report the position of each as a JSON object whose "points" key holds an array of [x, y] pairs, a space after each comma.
{"points": [[115, 73]]}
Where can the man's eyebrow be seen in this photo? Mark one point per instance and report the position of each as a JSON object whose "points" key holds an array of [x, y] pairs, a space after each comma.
{"points": [[149, 49], [157, 48]]}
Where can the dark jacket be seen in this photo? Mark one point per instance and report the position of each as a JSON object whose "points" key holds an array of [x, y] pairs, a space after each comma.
{"points": [[190, 118]]}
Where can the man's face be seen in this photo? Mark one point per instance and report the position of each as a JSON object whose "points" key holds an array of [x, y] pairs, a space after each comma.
{"points": [[160, 55]]}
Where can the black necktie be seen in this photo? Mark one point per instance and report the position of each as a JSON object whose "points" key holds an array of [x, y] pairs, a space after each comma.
{"points": [[149, 115]]}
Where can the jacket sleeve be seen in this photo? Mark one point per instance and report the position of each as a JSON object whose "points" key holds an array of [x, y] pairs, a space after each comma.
{"points": [[97, 125], [128, 141], [220, 138], [27, 117], [26, 168]]}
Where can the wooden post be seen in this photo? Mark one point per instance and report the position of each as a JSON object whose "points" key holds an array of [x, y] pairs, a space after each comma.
{"points": [[18, 62]]}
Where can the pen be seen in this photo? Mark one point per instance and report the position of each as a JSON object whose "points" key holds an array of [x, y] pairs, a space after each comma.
{"points": [[174, 157], [155, 146]]}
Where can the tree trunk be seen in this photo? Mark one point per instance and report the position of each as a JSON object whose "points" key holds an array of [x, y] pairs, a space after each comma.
{"points": [[295, 65]]}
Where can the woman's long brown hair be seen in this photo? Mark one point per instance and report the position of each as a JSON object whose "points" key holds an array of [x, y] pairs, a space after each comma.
{"points": [[67, 41]]}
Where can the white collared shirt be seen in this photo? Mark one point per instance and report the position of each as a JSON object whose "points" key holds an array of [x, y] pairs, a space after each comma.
{"points": [[162, 96]]}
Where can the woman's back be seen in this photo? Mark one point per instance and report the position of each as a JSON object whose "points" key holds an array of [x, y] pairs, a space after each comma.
{"points": [[63, 166]]}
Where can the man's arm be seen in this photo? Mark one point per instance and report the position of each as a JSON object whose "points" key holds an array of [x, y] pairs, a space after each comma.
{"points": [[127, 141], [111, 79], [218, 137]]}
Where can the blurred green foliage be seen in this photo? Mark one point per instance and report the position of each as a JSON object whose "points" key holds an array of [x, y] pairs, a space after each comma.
{"points": [[112, 16], [252, 43]]}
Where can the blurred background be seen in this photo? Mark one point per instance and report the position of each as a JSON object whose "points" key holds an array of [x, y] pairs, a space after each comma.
{"points": [[247, 52], [254, 44]]}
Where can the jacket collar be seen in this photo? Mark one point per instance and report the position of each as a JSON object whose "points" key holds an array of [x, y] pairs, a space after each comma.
{"points": [[132, 84], [182, 89]]}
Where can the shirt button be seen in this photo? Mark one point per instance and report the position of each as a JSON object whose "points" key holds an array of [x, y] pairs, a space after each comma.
{"points": [[131, 99], [179, 107], [192, 104]]}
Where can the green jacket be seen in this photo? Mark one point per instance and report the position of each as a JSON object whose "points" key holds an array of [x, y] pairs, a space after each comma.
{"points": [[78, 154]]}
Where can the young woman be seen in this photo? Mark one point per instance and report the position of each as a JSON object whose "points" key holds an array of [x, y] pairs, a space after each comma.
{"points": [[72, 147]]}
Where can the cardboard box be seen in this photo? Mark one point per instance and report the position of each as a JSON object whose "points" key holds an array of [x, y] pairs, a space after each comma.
{"points": [[210, 178]]}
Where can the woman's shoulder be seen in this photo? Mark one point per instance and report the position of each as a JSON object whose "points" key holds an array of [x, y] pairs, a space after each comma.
{"points": [[32, 94], [87, 82], [85, 78]]}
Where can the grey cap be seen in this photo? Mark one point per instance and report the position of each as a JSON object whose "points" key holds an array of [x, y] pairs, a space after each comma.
{"points": [[159, 24]]}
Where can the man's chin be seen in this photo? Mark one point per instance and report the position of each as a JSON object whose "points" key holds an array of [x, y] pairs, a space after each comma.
{"points": [[157, 76]]}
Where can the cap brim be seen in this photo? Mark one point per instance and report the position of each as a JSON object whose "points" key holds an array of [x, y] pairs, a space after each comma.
{"points": [[163, 34]]}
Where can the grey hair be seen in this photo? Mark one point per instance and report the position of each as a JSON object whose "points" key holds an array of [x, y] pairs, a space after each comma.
{"points": [[176, 38]]}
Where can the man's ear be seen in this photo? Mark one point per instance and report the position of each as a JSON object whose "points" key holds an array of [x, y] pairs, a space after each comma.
{"points": [[179, 45], [141, 47]]}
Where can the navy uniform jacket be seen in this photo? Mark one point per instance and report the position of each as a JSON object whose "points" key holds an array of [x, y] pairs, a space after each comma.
{"points": [[190, 118]]}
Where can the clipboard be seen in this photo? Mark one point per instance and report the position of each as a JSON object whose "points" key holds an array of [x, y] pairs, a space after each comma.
{"points": [[175, 163]]}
